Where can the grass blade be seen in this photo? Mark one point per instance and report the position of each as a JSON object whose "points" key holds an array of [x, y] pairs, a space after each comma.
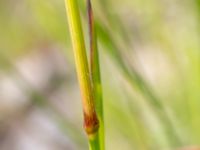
{"points": [[139, 83], [95, 72]]}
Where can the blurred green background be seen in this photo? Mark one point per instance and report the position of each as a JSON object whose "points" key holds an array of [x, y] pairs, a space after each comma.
{"points": [[150, 67]]}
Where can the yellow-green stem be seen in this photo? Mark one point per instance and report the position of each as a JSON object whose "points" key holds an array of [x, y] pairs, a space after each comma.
{"points": [[91, 122], [94, 142]]}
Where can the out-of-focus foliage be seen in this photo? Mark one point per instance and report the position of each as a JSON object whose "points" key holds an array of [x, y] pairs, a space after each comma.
{"points": [[150, 67]]}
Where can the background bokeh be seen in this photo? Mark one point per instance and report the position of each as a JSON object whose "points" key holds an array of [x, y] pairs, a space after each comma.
{"points": [[150, 68]]}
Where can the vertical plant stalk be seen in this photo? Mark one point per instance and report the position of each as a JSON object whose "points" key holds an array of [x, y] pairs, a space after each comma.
{"points": [[95, 72], [91, 123]]}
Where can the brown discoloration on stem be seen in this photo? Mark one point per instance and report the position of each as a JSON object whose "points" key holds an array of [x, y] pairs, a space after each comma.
{"points": [[91, 123], [95, 78]]}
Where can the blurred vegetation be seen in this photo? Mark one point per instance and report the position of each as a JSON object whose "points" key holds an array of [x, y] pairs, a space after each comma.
{"points": [[150, 67]]}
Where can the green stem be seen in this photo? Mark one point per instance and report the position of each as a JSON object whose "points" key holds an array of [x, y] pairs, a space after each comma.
{"points": [[94, 142], [91, 122], [95, 73]]}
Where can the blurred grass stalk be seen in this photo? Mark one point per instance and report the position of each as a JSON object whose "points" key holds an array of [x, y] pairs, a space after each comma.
{"points": [[89, 81]]}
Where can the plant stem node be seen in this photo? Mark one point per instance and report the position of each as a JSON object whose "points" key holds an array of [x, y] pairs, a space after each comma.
{"points": [[91, 124]]}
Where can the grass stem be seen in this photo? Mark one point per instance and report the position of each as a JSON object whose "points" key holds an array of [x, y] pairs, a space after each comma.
{"points": [[91, 122], [95, 72]]}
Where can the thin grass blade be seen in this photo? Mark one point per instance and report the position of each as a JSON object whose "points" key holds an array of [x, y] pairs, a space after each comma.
{"points": [[95, 72]]}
